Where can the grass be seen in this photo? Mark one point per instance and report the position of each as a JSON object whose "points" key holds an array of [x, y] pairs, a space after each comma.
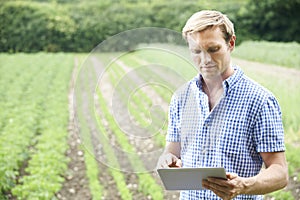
{"points": [[282, 54]]}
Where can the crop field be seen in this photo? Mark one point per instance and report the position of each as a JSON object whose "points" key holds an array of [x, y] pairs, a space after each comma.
{"points": [[33, 124], [78, 127], [278, 53]]}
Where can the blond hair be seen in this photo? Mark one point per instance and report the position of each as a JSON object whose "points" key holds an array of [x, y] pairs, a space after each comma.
{"points": [[205, 19]]}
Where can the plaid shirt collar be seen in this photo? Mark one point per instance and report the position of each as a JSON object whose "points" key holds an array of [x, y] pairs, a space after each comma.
{"points": [[230, 82]]}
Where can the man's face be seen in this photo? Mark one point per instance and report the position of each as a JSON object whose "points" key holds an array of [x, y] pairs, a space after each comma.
{"points": [[211, 53]]}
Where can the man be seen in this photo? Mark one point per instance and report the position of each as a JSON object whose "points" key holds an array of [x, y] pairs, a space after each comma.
{"points": [[221, 118]]}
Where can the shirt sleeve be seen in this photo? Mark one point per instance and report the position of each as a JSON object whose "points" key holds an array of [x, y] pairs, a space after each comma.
{"points": [[174, 128], [269, 132]]}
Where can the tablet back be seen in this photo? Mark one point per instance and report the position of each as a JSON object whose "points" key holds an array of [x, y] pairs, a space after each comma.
{"points": [[188, 178]]}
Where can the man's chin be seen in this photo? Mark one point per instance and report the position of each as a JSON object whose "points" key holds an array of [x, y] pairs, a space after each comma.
{"points": [[206, 74]]}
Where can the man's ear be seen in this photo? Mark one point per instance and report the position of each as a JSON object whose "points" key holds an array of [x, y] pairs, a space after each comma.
{"points": [[231, 43]]}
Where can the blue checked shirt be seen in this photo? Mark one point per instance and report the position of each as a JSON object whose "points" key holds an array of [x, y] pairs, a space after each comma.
{"points": [[246, 121]]}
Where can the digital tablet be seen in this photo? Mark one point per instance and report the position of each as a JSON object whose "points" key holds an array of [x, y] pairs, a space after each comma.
{"points": [[188, 178]]}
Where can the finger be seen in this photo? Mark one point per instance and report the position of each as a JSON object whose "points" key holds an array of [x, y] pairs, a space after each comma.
{"points": [[219, 193], [205, 184], [218, 181], [165, 164], [174, 158], [222, 195], [162, 163], [210, 186], [179, 163], [167, 161], [220, 185], [231, 175], [169, 158]]}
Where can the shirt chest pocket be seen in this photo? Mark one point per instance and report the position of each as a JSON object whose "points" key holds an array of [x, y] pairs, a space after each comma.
{"points": [[233, 138]]}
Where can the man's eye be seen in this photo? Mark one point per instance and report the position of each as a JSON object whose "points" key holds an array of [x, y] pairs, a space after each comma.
{"points": [[196, 51], [213, 49]]}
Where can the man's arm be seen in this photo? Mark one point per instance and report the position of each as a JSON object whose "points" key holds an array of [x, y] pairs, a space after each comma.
{"points": [[273, 178], [171, 156]]}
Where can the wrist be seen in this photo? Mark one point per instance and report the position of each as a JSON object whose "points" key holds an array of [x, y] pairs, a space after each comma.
{"points": [[249, 185]]}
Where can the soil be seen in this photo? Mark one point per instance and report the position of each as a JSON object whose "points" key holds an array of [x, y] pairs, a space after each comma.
{"points": [[272, 70], [76, 183]]}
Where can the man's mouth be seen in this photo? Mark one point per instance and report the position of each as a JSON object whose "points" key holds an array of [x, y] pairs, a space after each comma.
{"points": [[207, 66]]}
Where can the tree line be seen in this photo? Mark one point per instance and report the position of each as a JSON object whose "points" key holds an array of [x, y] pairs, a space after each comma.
{"points": [[78, 26]]}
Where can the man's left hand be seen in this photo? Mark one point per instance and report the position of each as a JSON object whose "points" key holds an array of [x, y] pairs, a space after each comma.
{"points": [[226, 189]]}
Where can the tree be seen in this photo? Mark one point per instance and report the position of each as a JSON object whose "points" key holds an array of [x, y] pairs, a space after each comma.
{"points": [[273, 20]]}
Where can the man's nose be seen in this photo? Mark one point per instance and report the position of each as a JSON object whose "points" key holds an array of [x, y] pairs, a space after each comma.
{"points": [[205, 58]]}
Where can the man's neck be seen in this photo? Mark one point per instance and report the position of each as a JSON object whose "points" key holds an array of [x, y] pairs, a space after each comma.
{"points": [[216, 82], [213, 87]]}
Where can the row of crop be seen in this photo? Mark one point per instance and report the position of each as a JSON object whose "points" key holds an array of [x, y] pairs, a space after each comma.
{"points": [[138, 102], [153, 79], [138, 105], [13, 85], [135, 62], [147, 184], [85, 91], [112, 161], [95, 186], [4, 79], [48, 161], [86, 134], [21, 127], [175, 60], [83, 98]]}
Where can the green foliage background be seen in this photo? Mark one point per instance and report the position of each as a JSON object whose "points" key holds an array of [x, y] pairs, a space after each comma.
{"points": [[78, 26]]}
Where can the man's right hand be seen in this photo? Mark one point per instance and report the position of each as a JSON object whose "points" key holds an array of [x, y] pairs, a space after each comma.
{"points": [[168, 160]]}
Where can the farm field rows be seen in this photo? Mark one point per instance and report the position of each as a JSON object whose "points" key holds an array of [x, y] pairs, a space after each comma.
{"points": [[34, 120]]}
